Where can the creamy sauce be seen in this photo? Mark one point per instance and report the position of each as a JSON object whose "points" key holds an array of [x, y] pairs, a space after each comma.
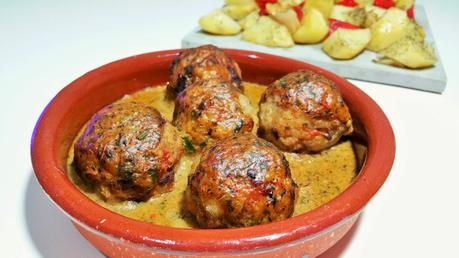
{"points": [[320, 177]]}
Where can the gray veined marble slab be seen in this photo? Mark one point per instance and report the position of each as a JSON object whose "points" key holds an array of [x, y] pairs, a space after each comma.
{"points": [[361, 68]]}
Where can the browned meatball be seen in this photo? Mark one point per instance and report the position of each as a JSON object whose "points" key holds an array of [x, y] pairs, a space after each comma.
{"points": [[202, 63], [211, 110], [128, 152], [303, 112], [240, 181]]}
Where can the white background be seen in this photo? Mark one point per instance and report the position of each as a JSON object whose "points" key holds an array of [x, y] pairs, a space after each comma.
{"points": [[44, 45]]}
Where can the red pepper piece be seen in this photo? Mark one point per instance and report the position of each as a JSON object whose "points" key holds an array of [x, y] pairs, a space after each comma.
{"points": [[263, 12], [386, 4], [410, 12], [302, 4], [333, 25], [299, 12], [349, 3], [262, 5]]}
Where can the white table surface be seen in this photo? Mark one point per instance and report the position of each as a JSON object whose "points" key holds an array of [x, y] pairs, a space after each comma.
{"points": [[44, 45]]}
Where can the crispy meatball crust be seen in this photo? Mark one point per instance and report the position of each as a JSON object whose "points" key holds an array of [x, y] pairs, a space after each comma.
{"points": [[202, 63], [240, 181], [212, 110], [303, 112], [128, 152]]}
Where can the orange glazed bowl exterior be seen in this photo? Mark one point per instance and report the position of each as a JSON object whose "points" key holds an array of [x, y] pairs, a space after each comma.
{"points": [[308, 234]]}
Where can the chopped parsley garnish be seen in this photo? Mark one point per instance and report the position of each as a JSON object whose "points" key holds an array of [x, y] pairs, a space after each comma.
{"points": [[282, 83], [153, 172], [188, 145], [142, 136], [195, 114]]}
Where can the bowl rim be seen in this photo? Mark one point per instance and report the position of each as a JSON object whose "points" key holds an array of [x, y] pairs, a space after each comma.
{"points": [[53, 178]]}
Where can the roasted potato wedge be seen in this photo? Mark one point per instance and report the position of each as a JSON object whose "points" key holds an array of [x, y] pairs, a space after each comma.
{"points": [[313, 28], [390, 28], [282, 5], [249, 20], [404, 4], [408, 52], [352, 15], [346, 44], [415, 31], [372, 15], [324, 6], [287, 18], [268, 32], [219, 23], [283, 13], [359, 2], [239, 11], [239, 2], [363, 3]]}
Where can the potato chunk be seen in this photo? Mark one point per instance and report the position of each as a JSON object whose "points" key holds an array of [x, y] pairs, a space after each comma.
{"points": [[364, 2], [408, 52], [219, 23], [249, 20], [324, 6], [345, 43], [416, 31], [390, 28], [239, 11], [287, 18], [268, 32], [372, 15], [404, 4], [352, 15], [239, 2], [313, 28], [281, 5]]}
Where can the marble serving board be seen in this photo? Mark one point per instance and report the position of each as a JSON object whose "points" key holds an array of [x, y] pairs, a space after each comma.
{"points": [[360, 68]]}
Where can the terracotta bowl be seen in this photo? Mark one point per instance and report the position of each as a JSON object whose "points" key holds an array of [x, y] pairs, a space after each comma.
{"points": [[114, 235]]}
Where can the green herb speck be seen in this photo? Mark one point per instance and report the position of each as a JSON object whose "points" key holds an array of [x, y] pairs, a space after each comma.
{"points": [[153, 172], [282, 83], [195, 114], [142, 136], [188, 145]]}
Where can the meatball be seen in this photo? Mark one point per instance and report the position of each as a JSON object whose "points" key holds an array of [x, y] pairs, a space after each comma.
{"points": [[240, 181], [202, 63], [303, 112], [128, 152], [212, 110]]}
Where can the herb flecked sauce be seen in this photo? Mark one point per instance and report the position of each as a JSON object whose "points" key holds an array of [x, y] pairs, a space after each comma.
{"points": [[320, 177]]}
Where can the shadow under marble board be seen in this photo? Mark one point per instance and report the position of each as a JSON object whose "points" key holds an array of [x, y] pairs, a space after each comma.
{"points": [[360, 68]]}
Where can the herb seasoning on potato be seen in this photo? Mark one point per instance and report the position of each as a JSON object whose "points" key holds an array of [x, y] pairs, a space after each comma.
{"points": [[346, 28]]}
